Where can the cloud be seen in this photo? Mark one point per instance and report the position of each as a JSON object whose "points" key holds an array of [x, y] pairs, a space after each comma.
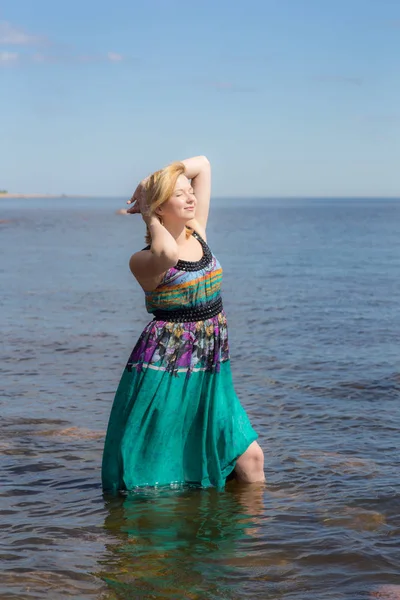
{"points": [[378, 119], [13, 36], [358, 81], [8, 58], [228, 86], [221, 85], [40, 58], [114, 57], [240, 59]]}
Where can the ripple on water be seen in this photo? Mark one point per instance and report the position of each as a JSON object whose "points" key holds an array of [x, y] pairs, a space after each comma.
{"points": [[315, 361]]}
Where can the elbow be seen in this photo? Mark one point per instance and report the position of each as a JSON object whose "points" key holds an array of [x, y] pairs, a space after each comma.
{"points": [[205, 160]]}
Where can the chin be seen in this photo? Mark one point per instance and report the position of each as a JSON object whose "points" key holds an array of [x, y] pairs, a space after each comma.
{"points": [[188, 214]]}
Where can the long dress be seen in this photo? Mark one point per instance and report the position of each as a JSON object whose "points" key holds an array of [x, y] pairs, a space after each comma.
{"points": [[176, 419]]}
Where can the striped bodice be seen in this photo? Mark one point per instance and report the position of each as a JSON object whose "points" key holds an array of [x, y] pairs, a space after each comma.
{"points": [[188, 284]]}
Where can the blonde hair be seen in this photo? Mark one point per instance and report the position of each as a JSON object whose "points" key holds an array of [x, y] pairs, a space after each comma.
{"points": [[160, 187]]}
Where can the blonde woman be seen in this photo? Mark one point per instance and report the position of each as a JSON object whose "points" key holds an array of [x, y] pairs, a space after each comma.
{"points": [[176, 419]]}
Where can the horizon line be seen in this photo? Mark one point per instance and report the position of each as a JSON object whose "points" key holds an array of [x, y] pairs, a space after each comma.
{"points": [[33, 196]]}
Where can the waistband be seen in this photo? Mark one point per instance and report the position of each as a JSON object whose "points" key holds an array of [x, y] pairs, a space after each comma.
{"points": [[184, 315]]}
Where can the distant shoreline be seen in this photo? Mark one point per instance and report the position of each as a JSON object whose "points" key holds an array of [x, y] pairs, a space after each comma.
{"points": [[51, 196]]}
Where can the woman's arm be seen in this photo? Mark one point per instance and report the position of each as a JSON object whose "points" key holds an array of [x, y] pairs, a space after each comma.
{"points": [[149, 266], [198, 169]]}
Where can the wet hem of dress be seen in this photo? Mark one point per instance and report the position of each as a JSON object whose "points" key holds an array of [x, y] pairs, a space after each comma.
{"points": [[230, 467], [225, 472]]}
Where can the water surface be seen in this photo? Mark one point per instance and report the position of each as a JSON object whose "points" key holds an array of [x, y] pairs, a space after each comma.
{"points": [[312, 293]]}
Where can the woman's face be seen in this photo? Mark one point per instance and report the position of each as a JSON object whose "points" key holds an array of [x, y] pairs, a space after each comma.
{"points": [[182, 204]]}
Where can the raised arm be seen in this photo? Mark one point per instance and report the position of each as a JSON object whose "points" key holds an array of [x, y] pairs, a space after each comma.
{"points": [[148, 267], [198, 169]]}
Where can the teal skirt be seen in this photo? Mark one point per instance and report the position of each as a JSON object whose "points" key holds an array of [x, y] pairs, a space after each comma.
{"points": [[176, 419]]}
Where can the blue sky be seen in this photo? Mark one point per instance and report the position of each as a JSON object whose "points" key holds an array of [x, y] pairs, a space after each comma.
{"points": [[285, 97]]}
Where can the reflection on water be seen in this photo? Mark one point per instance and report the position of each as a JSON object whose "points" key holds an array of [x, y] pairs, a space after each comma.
{"points": [[182, 543]]}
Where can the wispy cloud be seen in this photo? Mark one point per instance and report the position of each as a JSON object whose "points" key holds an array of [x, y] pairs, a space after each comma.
{"points": [[378, 119], [8, 58], [228, 86], [241, 59], [13, 36], [342, 79], [40, 58], [114, 57], [111, 57]]}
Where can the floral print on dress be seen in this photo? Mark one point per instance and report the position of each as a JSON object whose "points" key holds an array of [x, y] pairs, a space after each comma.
{"points": [[182, 347]]}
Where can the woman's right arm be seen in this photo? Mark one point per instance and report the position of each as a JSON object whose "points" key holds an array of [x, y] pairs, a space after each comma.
{"points": [[149, 266]]}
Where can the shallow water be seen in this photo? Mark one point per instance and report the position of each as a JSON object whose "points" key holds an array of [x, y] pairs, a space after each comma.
{"points": [[312, 293]]}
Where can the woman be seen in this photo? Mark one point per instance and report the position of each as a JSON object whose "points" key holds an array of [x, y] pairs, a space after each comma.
{"points": [[176, 418]]}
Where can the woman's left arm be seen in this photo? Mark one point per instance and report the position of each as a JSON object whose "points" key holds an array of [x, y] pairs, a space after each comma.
{"points": [[198, 169]]}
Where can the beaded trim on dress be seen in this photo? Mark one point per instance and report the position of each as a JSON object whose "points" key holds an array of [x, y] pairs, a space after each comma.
{"points": [[188, 265]]}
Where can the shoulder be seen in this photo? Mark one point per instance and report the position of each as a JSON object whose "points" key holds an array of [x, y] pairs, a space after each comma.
{"points": [[138, 257], [146, 274]]}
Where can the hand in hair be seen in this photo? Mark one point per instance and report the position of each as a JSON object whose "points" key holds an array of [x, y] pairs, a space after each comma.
{"points": [[138, 200]]}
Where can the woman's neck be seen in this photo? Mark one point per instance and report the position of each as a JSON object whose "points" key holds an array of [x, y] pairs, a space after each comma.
{"points": [[178, 232]]}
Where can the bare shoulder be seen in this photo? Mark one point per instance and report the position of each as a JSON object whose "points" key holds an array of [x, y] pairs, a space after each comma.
{"points": [[138, 260], [146, 270]]}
